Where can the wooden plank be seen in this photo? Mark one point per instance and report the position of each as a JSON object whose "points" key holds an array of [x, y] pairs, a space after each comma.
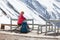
{"points": [[9, 24], [16, 24]]}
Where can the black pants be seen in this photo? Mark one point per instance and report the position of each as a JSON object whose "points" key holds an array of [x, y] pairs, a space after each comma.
{"points": [[18, 26]]}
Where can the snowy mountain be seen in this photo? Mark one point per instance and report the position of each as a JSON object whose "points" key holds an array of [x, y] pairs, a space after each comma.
{"points": [[39, 10]]}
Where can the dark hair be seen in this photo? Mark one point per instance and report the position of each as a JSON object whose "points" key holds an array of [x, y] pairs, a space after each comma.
{"points": [[22, 12]]}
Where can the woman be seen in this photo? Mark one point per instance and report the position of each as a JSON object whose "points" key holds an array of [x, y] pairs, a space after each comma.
{"points": [[21, 18]]}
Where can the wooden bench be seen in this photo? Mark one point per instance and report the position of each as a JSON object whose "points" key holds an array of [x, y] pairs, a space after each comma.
{"points": [[38, 28], [3, 26]]}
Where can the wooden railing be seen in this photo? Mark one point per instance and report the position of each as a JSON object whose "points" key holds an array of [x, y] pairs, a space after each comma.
{"points": [[11, 21]]}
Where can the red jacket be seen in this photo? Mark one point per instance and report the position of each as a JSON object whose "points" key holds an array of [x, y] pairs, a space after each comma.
{"points": [[21, 18]]}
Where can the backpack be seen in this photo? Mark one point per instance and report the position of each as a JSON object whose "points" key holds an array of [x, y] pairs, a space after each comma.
{"points": [[24, 28]]}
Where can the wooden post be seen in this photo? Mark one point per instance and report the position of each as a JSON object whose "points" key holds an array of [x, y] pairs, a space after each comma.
{"points": [[2, 26]]}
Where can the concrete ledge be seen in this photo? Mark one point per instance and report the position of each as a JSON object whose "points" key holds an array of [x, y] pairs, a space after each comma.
{"points": [[28, 36]]}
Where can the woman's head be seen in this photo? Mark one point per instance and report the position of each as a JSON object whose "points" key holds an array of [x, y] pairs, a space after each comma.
{"points": [[22, 12]]}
